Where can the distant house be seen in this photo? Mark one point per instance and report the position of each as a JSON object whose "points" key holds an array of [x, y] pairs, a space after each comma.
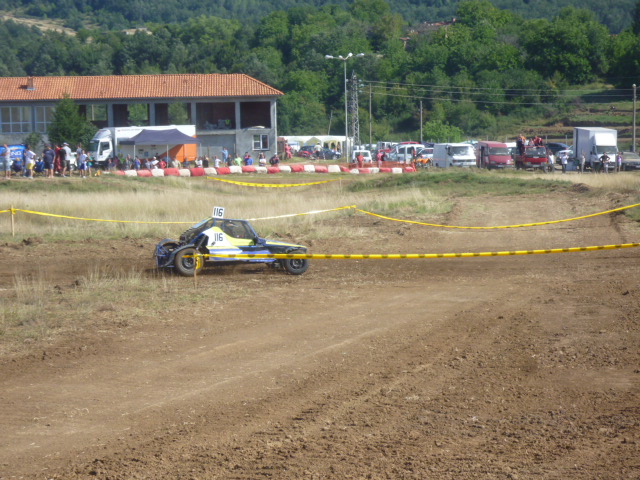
{"points": [[231, 110]]}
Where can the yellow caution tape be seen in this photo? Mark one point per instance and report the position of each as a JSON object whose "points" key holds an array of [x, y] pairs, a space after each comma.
{"points": [[299, 214], [420, 255], [272, 185], [44, 214], [502, 226], [92, 219]]}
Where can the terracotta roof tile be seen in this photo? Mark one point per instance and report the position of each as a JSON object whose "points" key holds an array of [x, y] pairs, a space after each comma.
{"points": [[134, 87]]}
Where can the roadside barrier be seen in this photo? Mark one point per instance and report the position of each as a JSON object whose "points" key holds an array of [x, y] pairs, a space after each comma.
{"points": [[272, 185], [550, 222], [317, 256]]}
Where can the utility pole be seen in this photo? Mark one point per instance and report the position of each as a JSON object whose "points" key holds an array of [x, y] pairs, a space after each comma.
{"points": [[420, 121], [353, 109], [370, 117], [633, 145]]}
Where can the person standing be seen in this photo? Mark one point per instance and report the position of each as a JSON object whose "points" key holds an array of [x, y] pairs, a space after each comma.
{"points": [[79, 151], [605, 163], [89, 164], [593, 162], [237, 161], [5, 162], [66, 165], [82, 163], [564, 159], [618, 162], [551, 160], [48, 156], [583, 160], [29, 162], [216, 161], [225, 157]]}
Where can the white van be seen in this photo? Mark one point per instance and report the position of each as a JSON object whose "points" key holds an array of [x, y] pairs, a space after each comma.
{"points": [[453, 155], [403, 152], [365, 153]]}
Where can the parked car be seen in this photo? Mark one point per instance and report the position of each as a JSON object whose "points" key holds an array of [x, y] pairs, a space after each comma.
{"points": [[365, 153], [224, 236], [306, 151], [630, 161], [403, 152], [556, 147], [326, 154]]}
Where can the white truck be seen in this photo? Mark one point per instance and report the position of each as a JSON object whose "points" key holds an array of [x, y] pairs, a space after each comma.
{"points": [[595, 140], [106, 142], [453, 155]]}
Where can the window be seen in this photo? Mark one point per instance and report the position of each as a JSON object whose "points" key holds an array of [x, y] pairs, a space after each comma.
{"points": [[261, 142], [15, 119], [44, 115]]}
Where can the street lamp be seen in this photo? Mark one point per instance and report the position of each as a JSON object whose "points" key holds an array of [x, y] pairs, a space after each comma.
{"points": [[346, 102], [633, 144]]}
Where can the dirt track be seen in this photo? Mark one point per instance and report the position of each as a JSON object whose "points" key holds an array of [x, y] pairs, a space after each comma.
{"points": [[492, 368]]}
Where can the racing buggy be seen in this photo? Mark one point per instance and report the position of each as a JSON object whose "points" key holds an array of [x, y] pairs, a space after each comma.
{"points": [[224, 236]]}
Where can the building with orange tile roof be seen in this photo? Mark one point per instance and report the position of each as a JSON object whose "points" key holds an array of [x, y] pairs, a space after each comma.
{"points": [[231, 110]]}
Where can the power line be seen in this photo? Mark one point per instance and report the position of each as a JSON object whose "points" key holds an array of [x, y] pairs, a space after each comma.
{"points": [[508, 91], [462, 100]]}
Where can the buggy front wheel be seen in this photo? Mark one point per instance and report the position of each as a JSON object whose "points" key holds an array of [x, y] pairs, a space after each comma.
{"points": [[187, 262], [295, 266]]}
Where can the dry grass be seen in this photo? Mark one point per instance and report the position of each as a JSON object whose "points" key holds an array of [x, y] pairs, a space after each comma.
{"points": [[183, 200], [189, 200], [614, 182], [104, 300]]}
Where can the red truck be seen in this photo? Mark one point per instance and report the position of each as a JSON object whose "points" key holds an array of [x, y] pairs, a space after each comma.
{"points": [[493, 155], [533, 157]]}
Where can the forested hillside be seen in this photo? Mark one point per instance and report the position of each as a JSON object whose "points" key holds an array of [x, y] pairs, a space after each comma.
{"points": [[490, 70], [125, 13]]}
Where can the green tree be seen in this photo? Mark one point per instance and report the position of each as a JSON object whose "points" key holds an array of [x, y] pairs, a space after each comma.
{"points": [[635, 26], [437, 131], [34, 140], [625, 59], [68, 125], [574, 44]]}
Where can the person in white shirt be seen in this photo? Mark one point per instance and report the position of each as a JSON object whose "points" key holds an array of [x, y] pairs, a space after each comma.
{"points": [[564, 159], [29, 162]]}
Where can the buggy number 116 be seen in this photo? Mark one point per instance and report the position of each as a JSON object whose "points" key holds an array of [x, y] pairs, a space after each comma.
{"points": [[197, 247]]}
